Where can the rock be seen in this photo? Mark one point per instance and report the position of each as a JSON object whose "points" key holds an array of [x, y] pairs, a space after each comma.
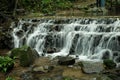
{"points": [[102, 77], [56, 28], [66, 61], [106, 55], [27, 76], [42, 69], [20, 33], [110, 64], [25, 54], [51, 50], [92, 66]]}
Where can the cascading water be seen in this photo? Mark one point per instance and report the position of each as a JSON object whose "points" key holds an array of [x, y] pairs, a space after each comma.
{"points": [[86, 38]]}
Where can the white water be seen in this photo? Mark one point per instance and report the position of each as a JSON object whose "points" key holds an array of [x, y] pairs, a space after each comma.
{"points": [[88, 38]]}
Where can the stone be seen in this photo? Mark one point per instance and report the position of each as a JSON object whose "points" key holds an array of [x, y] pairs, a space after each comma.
{"points": [[20, 33], [42, 69], [92, 66], [106, 55], [25, 54], [66, 61], [27, 76], [51, 50]]}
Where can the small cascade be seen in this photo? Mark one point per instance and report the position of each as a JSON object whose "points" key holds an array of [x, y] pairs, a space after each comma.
{"points": [[86, 38]]}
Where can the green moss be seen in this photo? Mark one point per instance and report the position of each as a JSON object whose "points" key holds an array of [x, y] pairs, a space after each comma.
{"points": [[15, 53], [25, 55], [110, 64]]}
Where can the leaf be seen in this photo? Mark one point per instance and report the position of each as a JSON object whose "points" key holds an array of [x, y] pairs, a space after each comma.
{"points": [[4, 69], [0, 65]]}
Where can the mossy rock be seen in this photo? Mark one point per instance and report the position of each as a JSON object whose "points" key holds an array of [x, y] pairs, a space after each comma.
{"points": [[25, 54], [110, 64], [14, 53]]}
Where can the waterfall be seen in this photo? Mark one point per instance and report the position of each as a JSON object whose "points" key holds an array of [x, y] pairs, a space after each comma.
{"points": [[86, 38]]}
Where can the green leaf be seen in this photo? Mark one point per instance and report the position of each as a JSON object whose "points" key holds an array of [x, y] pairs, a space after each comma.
{"points": [[4, 69]]}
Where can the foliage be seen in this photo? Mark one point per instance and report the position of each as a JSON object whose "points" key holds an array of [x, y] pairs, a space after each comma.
{"points": [[67, 78], [6, 63], [45, 6], [9, 78], [110, 64]]}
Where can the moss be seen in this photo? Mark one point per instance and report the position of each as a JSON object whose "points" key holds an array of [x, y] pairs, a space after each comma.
{"points": [[110, 64], [15, 53], [25, 55]]}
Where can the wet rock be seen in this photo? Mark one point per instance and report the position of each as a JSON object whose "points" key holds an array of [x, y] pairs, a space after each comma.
{"points": [[92, 66], [42, 69], [20, 33], [108, 29], [25, 54], [57, 28], [110, 64], [106, 55], [97, 39], [49, 40], [116, 53], [27, 76], [51, 50], [66, 61], [35, 20], [74, 44]]}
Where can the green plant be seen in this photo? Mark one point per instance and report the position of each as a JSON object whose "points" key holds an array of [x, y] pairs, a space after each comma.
{"points": [[9, 78], [67, 78], [6, 63]]}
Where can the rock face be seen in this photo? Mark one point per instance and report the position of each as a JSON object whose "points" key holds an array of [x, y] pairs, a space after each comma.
{"points": [[66, 61], [25, 54], [92, 67]]}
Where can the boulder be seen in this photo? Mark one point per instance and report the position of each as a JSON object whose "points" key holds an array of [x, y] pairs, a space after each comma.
{"points": [[25, 54], [66, 61], [92, 66], [42, 69], [106, 55]]}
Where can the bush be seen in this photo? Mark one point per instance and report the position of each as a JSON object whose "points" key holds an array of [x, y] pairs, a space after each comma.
{"points": [[6, 63]]}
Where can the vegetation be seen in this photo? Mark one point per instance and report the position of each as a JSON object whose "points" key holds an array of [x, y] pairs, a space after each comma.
{"points": [[9, 78], [44, 6], [6, 63], [110, 64]]}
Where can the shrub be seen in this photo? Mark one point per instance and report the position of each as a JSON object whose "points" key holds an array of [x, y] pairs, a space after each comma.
{"points": [[6, 63]]}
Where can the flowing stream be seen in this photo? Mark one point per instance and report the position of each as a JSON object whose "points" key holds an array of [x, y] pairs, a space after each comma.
{"points": [[84, 38]]}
